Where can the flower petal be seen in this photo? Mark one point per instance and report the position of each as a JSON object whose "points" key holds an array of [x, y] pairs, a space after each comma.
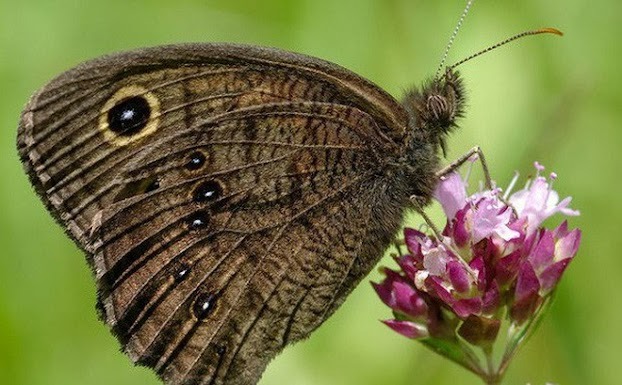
{"points": [[567, 246], [550, 277], [408, 329], [413, 239], [451, 193], [539, 201], [544, 251], [458, 276]]}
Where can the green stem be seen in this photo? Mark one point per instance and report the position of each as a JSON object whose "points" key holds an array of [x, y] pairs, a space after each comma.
{"points": [[522, 334], [493, 379], [467, 359], [492, 376]]}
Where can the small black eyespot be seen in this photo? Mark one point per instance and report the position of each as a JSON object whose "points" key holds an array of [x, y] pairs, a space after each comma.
{"points": [[195, 161], [129, 116], [198, 220], [220, 350], [181, 273], [153, 186], [203, 305], [208, 191]]}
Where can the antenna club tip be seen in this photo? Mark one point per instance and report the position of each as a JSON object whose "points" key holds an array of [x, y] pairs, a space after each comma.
{"points": [[554, 31]]}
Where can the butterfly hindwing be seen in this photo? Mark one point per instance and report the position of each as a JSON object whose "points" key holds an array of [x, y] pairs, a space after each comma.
{"points": [[206, 277]]}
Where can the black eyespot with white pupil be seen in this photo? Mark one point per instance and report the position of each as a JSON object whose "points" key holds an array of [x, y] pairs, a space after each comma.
{"points": [[198, 220], [129, 116], [208, 191], [203, 305], [195, 161], [181, 273]]}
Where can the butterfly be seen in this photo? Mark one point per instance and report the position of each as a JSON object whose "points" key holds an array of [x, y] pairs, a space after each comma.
{"points": [[229, 197]]}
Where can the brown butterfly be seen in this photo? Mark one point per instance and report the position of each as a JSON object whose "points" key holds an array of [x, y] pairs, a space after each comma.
{"points": [[228, 197]]}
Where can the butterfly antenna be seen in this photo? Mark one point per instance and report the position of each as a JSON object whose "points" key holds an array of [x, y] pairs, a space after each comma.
{"points": [[453, 37], [508, 40]]}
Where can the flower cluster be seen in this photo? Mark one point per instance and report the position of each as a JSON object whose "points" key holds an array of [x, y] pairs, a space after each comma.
{"points": [[492, 262]]}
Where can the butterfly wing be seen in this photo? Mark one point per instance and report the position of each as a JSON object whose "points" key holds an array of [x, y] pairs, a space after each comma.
{"points": [[239, 217], [71, 155]]}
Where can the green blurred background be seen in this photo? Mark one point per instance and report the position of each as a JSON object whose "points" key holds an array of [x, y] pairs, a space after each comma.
{"points": [[545, 98]]}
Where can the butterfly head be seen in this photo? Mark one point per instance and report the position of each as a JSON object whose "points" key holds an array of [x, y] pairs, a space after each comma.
{"points": [[435, 108]]}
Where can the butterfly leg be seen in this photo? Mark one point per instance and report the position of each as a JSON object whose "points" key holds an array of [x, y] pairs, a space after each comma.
{"points": [[477, 151], [399, 244], [463, 159], [417, 203]]}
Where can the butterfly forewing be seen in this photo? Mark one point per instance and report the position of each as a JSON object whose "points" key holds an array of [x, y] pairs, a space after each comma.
{"points": [[229, 197], [72, 159]]}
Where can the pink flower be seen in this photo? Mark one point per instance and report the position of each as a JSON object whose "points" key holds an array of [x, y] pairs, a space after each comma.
{"points": [[540, 272], [452, 194], [413, 318], [538, 201], [483, 215], [491, 259], [437, 271]]}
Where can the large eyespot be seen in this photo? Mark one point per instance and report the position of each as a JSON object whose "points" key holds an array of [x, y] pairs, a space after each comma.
{"points": [[130, 114]]}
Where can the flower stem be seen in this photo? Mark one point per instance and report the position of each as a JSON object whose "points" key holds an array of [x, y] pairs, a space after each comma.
{"points": [[493, 379], [458, 353]]}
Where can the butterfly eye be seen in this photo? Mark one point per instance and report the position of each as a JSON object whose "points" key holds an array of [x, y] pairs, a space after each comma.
{"points": [[438, 107], [129, 116], [203, 305]]}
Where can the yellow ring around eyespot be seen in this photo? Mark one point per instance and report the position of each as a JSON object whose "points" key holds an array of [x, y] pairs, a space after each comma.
{"points": [[124, 93]]}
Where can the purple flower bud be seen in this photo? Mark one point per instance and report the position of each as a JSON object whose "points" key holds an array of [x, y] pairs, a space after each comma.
{"points": [[458, 229], [408, 305], [413, 239], [506, 268], [479, 330], [408, 329], [458, 277]]}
